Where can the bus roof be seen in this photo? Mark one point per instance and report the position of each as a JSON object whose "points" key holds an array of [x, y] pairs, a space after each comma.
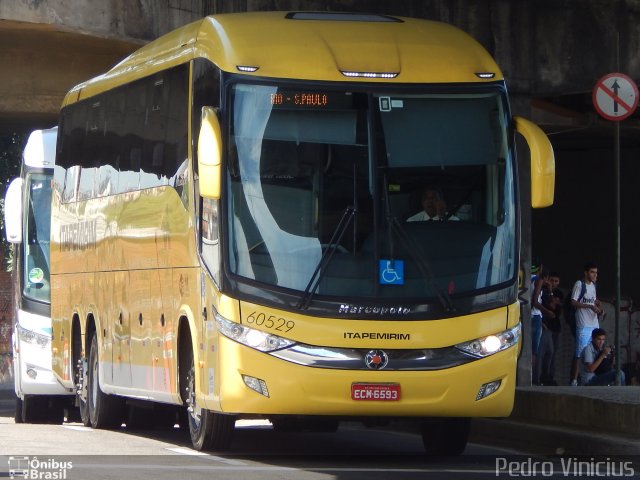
{"points": [[311, 46], [40, 151]]}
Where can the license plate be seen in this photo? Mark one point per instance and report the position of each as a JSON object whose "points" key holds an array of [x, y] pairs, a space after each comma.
{"points": [[385, 392]]}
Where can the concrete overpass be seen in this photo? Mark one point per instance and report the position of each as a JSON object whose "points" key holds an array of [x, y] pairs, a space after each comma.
{"points": [[50, 45], [551, 52]]}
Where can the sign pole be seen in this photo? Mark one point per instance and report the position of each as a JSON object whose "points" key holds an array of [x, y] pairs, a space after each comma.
{"points": [[617, 249], [615, 97], [618, 253]]}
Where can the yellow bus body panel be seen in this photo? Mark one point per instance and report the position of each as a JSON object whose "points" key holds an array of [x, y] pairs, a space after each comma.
{"points": [[376, 333], [296, 389], [418, 51]]}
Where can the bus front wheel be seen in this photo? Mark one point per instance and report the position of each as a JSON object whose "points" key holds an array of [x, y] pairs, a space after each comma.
{"points": [[209, 430], [445, 436]]}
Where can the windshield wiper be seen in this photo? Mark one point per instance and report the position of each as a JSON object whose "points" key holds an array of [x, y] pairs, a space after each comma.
{"points": [[347, 217]]}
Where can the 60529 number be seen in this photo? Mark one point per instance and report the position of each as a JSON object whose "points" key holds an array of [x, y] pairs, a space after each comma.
{"points": [[271, 322]]}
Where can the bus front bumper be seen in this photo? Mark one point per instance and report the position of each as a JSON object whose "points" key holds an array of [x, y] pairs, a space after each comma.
{"points": [[289, 388]]}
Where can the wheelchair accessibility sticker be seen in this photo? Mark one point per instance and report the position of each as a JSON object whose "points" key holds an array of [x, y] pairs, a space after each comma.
{"points": [[391, 272]]}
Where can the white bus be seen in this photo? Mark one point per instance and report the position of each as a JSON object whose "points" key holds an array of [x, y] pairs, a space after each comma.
{"points": [[39, 397]]}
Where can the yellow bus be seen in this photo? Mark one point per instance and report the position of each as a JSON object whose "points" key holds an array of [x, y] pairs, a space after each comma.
{"points": [[230, 238]]}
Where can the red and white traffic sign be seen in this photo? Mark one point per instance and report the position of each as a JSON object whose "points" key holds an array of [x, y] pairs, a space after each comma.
{"points": [[615, 96]]}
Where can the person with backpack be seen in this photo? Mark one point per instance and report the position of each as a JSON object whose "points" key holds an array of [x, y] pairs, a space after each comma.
{"points": [[587, 308]]}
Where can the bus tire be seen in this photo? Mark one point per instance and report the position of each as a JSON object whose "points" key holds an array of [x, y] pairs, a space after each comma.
{"points": [[82, 389], [83, 408], [445, 436], [105, 411], [208, 430], [17, 415]]}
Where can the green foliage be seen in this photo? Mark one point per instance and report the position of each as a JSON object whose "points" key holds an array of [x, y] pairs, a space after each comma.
{"points": [[11, 146]]}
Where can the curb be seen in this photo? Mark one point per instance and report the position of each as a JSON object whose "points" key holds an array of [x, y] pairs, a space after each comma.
{"points": [[591, 409], [546, 439]]}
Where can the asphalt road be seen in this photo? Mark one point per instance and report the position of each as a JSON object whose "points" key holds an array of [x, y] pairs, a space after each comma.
{"points": [[72, 451]]}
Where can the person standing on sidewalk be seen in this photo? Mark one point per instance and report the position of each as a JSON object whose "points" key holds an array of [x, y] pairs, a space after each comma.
{"points": [[552, 299], [538, 310], [587, 306]]}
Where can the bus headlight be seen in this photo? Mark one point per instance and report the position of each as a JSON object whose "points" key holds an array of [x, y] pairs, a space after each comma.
{"points": [[485, 346], [263, 341], [32, 337]]}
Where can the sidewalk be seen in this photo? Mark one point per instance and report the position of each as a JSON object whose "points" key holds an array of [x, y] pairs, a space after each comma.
{"points": [[568, 421]]}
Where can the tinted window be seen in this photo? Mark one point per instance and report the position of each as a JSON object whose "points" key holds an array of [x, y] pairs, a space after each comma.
{"points": [[132, 137]]}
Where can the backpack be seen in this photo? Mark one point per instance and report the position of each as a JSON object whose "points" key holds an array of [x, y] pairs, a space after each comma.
{"points": [[570, 310]]}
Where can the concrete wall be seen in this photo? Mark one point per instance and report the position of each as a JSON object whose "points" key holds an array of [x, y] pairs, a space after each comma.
{"points": [[48, 46], [544, 47], [122, 19]]}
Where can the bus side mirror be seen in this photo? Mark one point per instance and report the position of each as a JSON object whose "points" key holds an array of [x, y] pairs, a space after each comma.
{"points": [[13, 211], [543, 166], [209, 154]]}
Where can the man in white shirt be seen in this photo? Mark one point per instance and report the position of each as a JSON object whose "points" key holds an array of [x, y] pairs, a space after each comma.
{"points": [[433, 207], [587, 305]]}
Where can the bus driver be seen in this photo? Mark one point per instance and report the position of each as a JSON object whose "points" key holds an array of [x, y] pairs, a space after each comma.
{"points": [[433, 206]]}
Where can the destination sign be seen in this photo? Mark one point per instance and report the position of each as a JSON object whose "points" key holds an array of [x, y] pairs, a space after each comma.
{"points": [[311, 100]]}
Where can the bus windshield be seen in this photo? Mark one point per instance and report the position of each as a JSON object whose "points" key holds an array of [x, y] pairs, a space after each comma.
{"points": [[325, 188], [36, 242]]}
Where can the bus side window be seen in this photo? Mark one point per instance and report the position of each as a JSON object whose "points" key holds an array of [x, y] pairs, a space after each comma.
{"points": [[73, 153], [206, 78], [155, 126], [114, 116], [93, 148], [131, 153], [175, 135]]}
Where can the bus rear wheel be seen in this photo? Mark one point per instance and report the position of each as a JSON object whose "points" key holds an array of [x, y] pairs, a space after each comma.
{"points": [[104, 411], [445, 436], [82, 388], [208, 430]]}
